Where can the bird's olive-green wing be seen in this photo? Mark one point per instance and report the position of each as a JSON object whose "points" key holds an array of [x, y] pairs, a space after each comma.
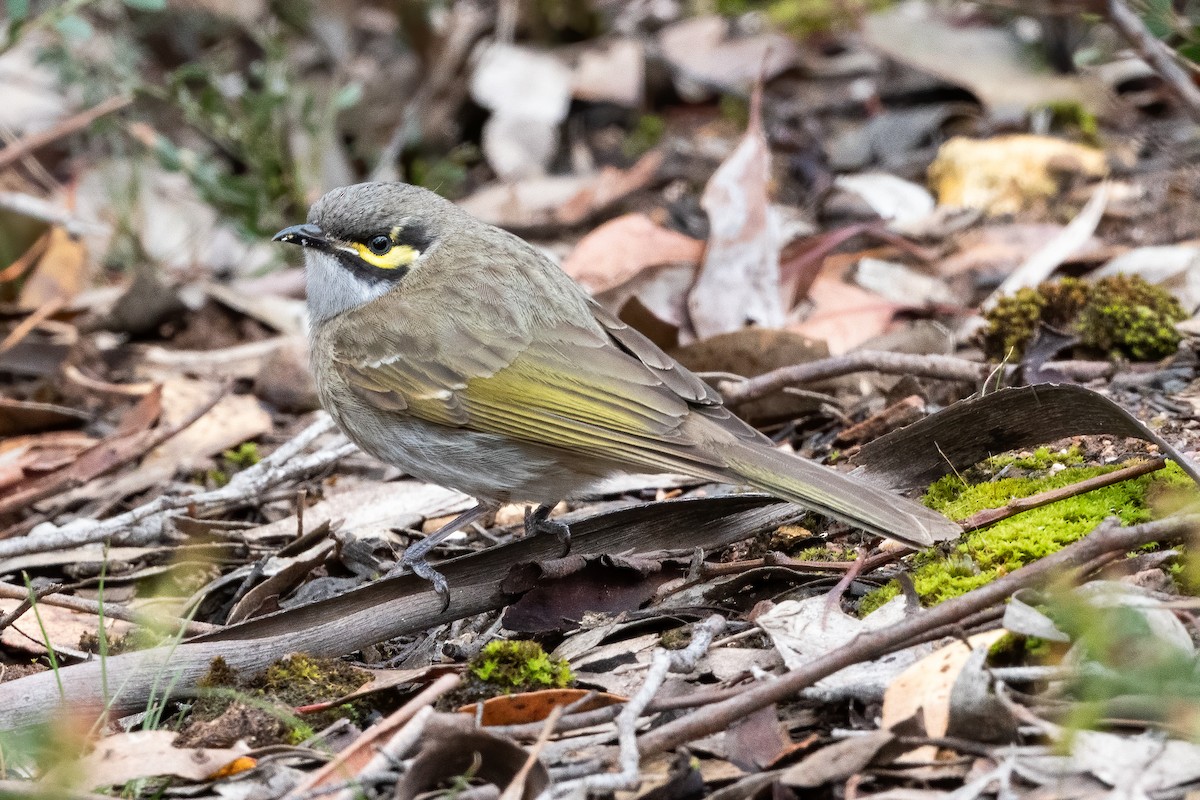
{"points": [[574, 387]]}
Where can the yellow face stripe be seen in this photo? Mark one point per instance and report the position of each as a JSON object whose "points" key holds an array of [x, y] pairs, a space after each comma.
{"points": [[401, 255]]}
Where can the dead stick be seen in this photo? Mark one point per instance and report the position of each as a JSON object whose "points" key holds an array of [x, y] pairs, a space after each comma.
{"points": [[111, 610], [1157, 54], [941, 367], [1017, 505], [78, 122], [26, 602], [1106, 538]]}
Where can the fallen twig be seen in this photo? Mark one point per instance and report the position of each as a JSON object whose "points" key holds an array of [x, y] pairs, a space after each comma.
{"points": [[1013, 507], [387, 608], [1157, 54], [146, 522], [1106, 538], [50, 597], [66, 127], [351, 761], [26, 326], [26, 603], [629, 758], [941, 367]]}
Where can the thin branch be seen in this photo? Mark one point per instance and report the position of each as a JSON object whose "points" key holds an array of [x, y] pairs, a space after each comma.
{"points": [[629, 758], [50, 597], [941, 367], [1017, 505], [147, 521], [1106, 538], [26, 603], [1157, 54], [66, 127]]}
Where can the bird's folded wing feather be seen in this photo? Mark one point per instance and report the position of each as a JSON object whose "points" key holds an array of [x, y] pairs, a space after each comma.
{"points": [[606, 392]]}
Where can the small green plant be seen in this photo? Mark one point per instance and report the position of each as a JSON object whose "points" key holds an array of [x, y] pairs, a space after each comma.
{"points": [[233, 461], [518, 666], [1118, 316], [446, 175], [647, 132], [1132, 671]]}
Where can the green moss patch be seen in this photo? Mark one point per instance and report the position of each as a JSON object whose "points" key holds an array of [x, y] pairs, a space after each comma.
{"points": [[260, 707], [519, 666], [979, 557], [1119, 316]]}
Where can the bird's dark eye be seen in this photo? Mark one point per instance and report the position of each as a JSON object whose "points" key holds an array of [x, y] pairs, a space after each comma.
{"points": [[379, 244]]}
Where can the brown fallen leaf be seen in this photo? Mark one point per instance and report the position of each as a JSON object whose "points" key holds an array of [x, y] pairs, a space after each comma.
{"points": [[609, 186], [620, 249], [738, 283], [63, 628], [130, 440], [923, 690], [518, 709], [557, 200], [844, 316]]}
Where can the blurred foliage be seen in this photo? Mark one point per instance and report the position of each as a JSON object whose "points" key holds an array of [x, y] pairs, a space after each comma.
{"points": [[1130, 671], [235, 90], [803, 17], [446, 175], [1178, 24]]}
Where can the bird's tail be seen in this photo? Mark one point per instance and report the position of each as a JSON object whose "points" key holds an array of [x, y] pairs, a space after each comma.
{"points": [[851, 500]]}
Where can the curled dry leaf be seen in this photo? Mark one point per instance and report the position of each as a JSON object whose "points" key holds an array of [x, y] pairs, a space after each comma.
{"points": [[517, 709], [739, 279], [618, 251], [924, 690]]}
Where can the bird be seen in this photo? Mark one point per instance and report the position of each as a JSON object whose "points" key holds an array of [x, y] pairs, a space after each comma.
{"points": [[466, 357]]}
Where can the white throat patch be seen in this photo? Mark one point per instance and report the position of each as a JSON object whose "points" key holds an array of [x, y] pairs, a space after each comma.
{"points": [[333, 289]]}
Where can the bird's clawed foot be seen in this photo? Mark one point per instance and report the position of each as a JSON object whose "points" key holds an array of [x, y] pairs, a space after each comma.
{"points": [[413, 558], [538, 521]]}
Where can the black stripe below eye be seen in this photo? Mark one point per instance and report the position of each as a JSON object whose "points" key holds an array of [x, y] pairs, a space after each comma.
{"points": [[367, 272]]}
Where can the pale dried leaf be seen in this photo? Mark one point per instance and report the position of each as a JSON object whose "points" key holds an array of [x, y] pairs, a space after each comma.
{"points": [[844, 316], [923, 690], [615, 73], [804, 630], [890, 197], [704, 56], [739, 279], [126, 757], [989, 61]]}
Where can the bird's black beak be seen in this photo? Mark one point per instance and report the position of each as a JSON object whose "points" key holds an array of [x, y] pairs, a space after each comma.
{"points": [[306, 235]]}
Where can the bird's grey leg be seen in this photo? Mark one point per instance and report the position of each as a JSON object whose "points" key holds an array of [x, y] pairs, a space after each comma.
{"points": [[538, 521], [414, 555]]}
